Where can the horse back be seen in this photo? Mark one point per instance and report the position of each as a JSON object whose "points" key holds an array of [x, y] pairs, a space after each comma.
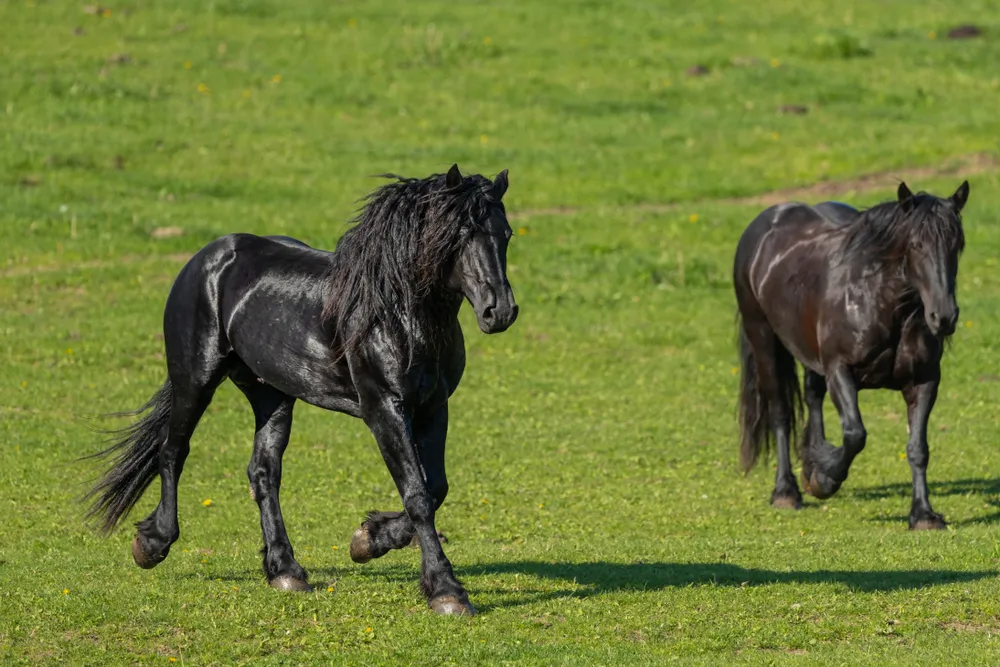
{"points": [[837, 212], [779, 229]]}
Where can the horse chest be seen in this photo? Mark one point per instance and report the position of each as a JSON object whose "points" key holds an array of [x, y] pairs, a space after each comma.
{"points": [[911, 358], [427, 385], [876, 371], [430, 387], [918, 358]]}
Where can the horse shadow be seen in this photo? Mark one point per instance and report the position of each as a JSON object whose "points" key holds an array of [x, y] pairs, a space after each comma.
{"points": [[600, 577], [988, 489], [593, 579], [597, 578]]}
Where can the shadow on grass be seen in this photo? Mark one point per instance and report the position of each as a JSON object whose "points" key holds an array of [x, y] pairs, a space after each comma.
{"points": [[958, 487], [585, 580], [602, 577]]}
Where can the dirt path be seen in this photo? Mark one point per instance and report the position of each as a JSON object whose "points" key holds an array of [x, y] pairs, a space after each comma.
{"points": [[964, 166], [960, 167]]}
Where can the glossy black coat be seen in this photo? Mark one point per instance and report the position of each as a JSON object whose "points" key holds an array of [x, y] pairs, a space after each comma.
{"points": [[270, 313], [863, 300]]}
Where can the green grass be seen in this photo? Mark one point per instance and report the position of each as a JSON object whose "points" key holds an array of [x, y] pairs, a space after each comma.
{"points": [[596, 515]]}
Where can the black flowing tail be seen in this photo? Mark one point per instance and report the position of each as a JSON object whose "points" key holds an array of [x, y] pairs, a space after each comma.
{"points": [[135, 463], [755, 415]]}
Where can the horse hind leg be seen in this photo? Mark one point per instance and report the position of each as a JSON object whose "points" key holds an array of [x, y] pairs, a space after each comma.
{"points": [[156, 533], [777, 382], [273, 427]]}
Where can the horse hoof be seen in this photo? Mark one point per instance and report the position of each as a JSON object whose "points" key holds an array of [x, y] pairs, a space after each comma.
{"points": [[289, 583], [141, 558], [786, 502], [932, 523], [361, 546], [820, 486], [450, 605]]}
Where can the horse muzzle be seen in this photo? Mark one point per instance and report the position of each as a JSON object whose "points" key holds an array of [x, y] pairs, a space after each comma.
{"points": [[496, 315], [942, 322]]}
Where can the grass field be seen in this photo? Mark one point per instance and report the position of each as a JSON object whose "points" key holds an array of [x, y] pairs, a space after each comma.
{"points": [[596, 513]]}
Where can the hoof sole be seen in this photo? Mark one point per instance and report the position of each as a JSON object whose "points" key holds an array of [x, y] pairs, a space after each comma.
{"points": [[141, 558], [816, 490], [290, 583], [786, 503], [929, 524], [449, 605], [361, 546]]}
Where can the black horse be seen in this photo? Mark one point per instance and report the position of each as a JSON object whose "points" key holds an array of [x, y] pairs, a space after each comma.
{"points": [[863, 300], [370, 330]]}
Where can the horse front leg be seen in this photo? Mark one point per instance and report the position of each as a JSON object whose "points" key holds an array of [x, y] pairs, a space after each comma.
{"points": [[829, 465], [813, 444], [919, 403], [393, 430], [381, 532]]}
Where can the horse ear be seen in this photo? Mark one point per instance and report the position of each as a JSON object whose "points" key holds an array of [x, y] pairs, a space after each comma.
{"points": [[905, 197], [454, 177], [961, 196], [500, 185]]}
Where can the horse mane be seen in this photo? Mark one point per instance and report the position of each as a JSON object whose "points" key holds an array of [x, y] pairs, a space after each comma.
{"points": [[385, 267], [879, 236]]}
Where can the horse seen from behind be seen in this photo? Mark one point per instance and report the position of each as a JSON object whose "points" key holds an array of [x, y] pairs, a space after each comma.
{"points": [[863, 300], [370, 329]]}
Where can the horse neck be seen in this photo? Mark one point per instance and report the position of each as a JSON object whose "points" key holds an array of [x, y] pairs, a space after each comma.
{"points": [[432, 319], [439, 307]]}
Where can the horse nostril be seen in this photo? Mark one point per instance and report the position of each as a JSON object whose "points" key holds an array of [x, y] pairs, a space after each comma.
{"points": [[935, 319], [488, 313]]}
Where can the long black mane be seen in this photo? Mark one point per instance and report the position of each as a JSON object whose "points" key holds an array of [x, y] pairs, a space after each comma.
{"points": [[387, 267], [879, 236]]}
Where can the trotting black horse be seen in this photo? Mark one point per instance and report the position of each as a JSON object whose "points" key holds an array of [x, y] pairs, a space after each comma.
{"points": [[863, 300], [370, 330]]}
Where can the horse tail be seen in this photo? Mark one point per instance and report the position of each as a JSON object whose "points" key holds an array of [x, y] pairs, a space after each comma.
{"points": [[135, 454], [755, 413]]}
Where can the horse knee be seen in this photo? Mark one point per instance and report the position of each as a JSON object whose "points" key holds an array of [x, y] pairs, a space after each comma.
{"points": [[917, 454], [260, 478], [419, 507]]}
